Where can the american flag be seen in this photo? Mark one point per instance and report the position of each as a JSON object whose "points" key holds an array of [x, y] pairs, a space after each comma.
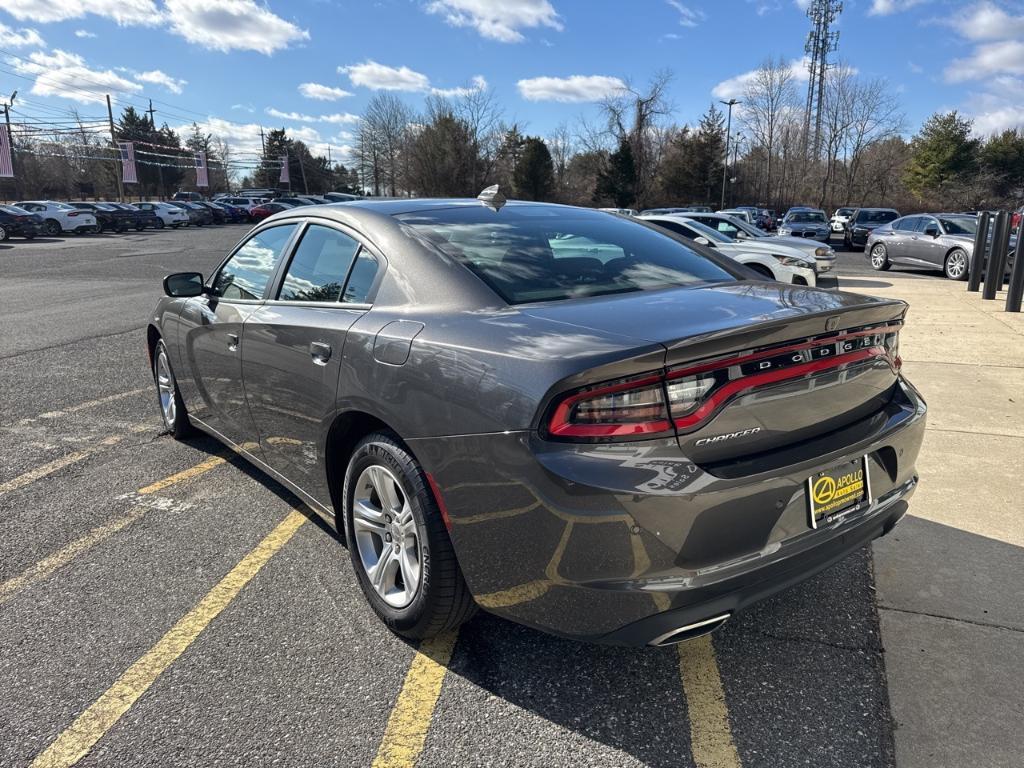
{"points": [[285, 179], [6, 166], [128, 174], [202, 175]]}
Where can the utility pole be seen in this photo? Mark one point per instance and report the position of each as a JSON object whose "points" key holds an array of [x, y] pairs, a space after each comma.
{"points": [[821, 41], [302, 170], [113, 139], [159, 165], [728, 135], [10, 141]]}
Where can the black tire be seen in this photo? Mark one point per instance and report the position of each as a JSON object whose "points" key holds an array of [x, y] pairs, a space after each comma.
{"points": [[3, 233], [956, 265], [159, 224], [879, 258], [139, 227], [51, 227], [762, 270], [442, 600], [179, 427]]}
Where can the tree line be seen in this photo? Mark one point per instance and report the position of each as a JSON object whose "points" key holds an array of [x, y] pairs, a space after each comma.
{"points": [[631, 154]]}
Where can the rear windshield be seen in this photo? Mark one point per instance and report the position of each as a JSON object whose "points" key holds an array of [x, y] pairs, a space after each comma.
{"points": [[880, 216], [528, 254], [807, 217]]}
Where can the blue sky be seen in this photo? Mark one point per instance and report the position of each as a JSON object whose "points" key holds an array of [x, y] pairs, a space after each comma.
{"points": [[311, 65]]}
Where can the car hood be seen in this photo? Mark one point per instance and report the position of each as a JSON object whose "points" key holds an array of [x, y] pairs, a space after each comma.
{"points": [[767, 246], [799, 243]]}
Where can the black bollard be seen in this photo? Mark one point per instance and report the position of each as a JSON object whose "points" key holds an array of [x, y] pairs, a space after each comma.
{"points": [[995, 265], [1015, 291], [980, 253]]}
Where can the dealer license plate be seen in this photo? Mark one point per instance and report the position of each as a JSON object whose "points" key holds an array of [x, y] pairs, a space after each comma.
{"points": [[837, 489]]}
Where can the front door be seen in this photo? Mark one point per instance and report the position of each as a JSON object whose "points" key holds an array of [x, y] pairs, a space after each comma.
{"points": [[213, 331], [293, 351]]}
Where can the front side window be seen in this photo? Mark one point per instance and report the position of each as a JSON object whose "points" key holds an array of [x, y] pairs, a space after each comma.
{"points": [[319, 266], [550, 254], [247, 272]]}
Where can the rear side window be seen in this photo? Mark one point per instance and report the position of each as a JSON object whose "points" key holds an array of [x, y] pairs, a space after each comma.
{"points": [[528, 254], [357, 291], [319, 267], [247, 272]]}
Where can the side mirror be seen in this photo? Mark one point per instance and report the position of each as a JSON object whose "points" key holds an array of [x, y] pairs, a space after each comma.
{"points": [[741, 235], [182, 285], [703, 241], [933, 231]]}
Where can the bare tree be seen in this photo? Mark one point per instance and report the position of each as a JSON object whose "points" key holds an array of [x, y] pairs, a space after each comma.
{"points": [[381, 140], [768, 101]]}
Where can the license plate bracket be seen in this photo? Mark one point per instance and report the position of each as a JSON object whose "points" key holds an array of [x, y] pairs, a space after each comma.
{"points": [[837, 490]]}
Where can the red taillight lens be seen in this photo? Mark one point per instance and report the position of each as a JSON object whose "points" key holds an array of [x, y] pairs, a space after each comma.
{"points": [[635, 407], [73, 214]]}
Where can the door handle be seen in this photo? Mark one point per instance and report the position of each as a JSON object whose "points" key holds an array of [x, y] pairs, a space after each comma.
{"points": [[232, 342], [320, 352]]}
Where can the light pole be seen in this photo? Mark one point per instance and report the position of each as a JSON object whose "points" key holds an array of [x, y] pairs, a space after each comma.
{"points": [[728, 135]]}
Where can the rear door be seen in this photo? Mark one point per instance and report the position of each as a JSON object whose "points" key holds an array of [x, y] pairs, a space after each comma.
{"points": [[211, 338], [294, 345]]}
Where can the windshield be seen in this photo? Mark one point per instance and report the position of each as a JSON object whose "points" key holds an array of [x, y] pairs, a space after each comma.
{"points": [[806, 217], [13, 209], [882, 217], [959, 225], [844, 211], [705, 231], [528, 254]]}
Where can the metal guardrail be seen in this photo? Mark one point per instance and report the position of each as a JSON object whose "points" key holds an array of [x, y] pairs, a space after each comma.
{"points": [[989, 262]]}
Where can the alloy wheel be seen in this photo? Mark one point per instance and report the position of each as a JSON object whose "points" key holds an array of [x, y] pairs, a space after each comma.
{"points": [[878, 256], [51, 228], [165, 386], [386, 536], [956, 265]]}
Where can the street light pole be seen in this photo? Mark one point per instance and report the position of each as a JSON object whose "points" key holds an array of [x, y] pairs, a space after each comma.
{"points": [[728, 135]]}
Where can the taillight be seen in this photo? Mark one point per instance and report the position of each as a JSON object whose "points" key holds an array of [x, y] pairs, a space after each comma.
{"points": [[73, 214], [685, 399], [632, 407]]}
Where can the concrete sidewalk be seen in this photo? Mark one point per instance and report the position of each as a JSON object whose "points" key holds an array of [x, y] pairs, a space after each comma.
{"points": [[950, 579]]}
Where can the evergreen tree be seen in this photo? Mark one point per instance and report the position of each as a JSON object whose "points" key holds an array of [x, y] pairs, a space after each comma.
{"points": [[1002, 158], [708, 154], [941, 153], [617, 181], [277, 144], [534, 175], [156, 173]]}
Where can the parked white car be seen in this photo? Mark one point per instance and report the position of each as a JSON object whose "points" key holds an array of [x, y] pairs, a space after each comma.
{"points": [[737, 229], [59, 217], [171, 215], [840, 218], [768, 256], [248, 203], [739, 213]]}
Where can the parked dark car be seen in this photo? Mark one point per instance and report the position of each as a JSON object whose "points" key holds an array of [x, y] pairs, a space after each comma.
{"points": [[292, 200], [233, 213], [17, 222], [197, 214], [574, 420], [108, 218], [145, 218], [261, 212], [218, 215], [862, 222]]}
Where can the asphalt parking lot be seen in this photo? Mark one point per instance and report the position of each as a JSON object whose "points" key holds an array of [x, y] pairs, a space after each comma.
{"points": [[167, 604]]}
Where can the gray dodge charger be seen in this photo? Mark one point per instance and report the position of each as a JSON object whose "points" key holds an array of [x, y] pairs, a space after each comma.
{"points": [[569, 418]]}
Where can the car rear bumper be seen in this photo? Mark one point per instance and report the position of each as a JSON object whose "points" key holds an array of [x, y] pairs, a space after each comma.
{"points": [[622, 542]]}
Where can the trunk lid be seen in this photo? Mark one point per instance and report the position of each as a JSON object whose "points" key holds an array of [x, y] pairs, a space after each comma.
{"points": [[699, 324]]}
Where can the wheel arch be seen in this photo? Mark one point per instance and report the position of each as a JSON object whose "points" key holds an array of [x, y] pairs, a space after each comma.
{"points": [[152, 337]]}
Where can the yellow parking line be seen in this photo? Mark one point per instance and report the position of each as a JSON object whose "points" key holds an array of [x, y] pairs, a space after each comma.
{"points": [[406, 731], [198, 469], [80, 737], [63, 556], [710, 733], [92, 403], [52, 466]]}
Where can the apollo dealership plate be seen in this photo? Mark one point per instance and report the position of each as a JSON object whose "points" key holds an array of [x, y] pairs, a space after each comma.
{"points": [[837, 489]]}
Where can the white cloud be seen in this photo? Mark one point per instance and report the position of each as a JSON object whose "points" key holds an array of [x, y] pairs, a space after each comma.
{"points": [[63, 74], [889, 7], [19, 38], [300, 117], [734, 87], [228, 25], [172, 84], [498, 20], [688, 17], [479, 84], [380, 77], [987, 21], [84, 33], [569, 89], [124, 12], [1005, 57], [322, 92]]}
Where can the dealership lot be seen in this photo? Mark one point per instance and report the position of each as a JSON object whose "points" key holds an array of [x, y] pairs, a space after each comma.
{"points": [[123, 545]]}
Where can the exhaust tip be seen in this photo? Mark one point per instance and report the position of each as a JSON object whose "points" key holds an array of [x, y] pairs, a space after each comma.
{"points": [[690, 631]]}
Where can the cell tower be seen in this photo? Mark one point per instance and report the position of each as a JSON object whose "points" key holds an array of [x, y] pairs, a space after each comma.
{"points": [[821, 41]]}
